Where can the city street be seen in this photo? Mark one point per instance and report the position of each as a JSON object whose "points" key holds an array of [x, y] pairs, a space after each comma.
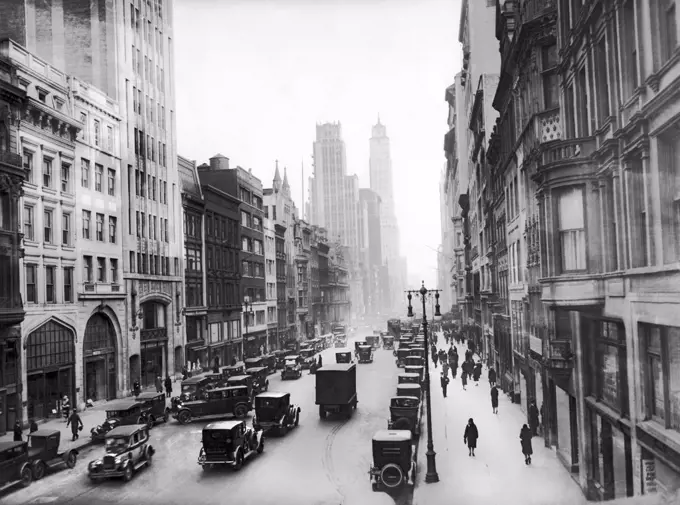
{"points": [[318, 463]]}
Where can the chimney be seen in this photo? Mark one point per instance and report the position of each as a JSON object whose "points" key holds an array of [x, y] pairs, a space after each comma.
{"points": [[219, 162]]}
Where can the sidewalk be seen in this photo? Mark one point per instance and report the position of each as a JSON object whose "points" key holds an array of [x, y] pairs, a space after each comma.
{"points": [[497, 474]]}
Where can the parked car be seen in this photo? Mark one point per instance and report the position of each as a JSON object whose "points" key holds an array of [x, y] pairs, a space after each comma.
{"points": [[220, 402], [43, 452], [292, 367], [127, 451], [394, 463], [280, 356], [308, 356], [336, 389], [402, 352], [156, 403], [15, 468], [274, 412], [413, 360], [365, 354], [254, 362], [260, 380], [408, 378], [191, 389], [418, 350], [410, 390], [242, 380], [122, 413], [343, 356], [405, 414], [420, 370], [232, 370], [269, 361], [229, 443]]}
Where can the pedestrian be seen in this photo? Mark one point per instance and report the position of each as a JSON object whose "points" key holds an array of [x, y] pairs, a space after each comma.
{"points": [[445, 368], [65, 407], [445, 382], [159, 384], [468, 355], [185, 373], [477, 373], [18, 432], [168, 386], [525, 438], [442, 356], [463, 379], [320, 361], [533, 417], [494, 399], [233, 361], [492, 377], [470, 436], [33, 426], [136, 388], [76, 425], [434, 358]]}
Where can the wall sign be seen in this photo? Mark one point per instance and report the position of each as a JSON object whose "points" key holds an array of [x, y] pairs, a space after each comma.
{"points": [[649, 476]]}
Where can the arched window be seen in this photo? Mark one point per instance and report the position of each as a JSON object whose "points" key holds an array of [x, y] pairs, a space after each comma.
{"points": [[99, 335], [50, 345]]}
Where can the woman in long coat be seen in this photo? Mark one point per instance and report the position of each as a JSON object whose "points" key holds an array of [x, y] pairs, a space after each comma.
{"points": [[470, 436], [525, 438], [463, 378], [494, 399], [477, 373]]}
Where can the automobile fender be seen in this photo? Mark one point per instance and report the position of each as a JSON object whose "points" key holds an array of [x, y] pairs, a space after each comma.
{"points": [[28, 465], [150, 450], [66, 454], [258, 436]]}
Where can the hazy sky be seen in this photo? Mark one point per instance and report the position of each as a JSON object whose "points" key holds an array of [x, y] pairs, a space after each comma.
{"points": [[253, 77]]}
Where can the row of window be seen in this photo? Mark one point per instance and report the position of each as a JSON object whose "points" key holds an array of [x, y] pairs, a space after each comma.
{"points": [[146, 145], [99, 234], [148, 186], [222, 294], [193, 224], [225, 259], [252, 245], [154, 264], [98, 177], [252, 269], [144, 107], [50, 294], [250, 221], [158, 227], [101, 275], [246, 196], [222, 228]]}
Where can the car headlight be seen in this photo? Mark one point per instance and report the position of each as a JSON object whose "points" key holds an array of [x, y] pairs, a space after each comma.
{"points": [[118, 460]]}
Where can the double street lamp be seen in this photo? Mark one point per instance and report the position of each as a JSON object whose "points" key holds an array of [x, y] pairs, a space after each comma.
{"points": [[431, 475]]}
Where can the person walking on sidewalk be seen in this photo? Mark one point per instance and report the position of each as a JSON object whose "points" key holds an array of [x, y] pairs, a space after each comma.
{"points": [[168, 386], [470, 436], [18, 432], [434, 355], [533, 417], [492, 377], [445, 368], [463, 379], [32, 426], [494, 399], [525, 438], [445, 382], [477, 373], [159, 384], [76, 425], [442, 356]]}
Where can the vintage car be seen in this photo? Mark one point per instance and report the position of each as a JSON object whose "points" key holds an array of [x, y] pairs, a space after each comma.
{"points": [[220, 402], [388, 342], [191, 389], [260, 380], [126, 413], [408, 378], [254, 362], [336, 389], [365, 354], [308, 356], [43, 453], [420, 370], [269, 361], [358, 343], [416, 350], [229, 443], [394, 462], [292, 368], [410, 390], [127, 450], [156, 402], [274, 412], [412, 360], [280, 356], [15, 467], [232, 370], [242, 380], [373, 341], [405, 414], [340, 340], [343, 356], [402, 353]]}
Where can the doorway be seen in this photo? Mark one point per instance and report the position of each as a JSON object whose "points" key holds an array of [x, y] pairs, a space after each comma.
{"points": [[99, 355]]}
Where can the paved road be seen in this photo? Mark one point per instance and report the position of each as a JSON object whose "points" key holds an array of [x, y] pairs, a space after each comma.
{"points": [[321, 462]]}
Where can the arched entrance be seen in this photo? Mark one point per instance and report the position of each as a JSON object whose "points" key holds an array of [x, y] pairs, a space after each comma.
{"points": [[99, 359], [50, 368]]}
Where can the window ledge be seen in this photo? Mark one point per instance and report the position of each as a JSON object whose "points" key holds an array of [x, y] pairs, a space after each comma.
{"points": [[669, 437], [654, 79], [50, 246], [663, 269], [69, 248]]}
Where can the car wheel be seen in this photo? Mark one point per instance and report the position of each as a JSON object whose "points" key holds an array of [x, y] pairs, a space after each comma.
{"points": [[240, 411], [71, 459], [26, 476], [297, 418], [238, 461], [38, 470], [151, 421], [184, 417], [402, 423], [127, 475], [260, 446]]}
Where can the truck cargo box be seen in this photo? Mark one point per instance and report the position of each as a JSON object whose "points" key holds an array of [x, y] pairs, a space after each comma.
{"points": [[336, 384]]}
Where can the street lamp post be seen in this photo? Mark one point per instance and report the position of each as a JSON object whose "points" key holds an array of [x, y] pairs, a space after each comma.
{"points": [[246, 313], [431, 475]]}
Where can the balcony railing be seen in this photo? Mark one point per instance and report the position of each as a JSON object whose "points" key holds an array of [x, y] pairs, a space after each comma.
{"points": [[153, 334], [9, 158], [558, 353], [568, 149]]}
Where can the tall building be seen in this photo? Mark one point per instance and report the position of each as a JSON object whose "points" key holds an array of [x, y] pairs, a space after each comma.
{"points": [[12, 100], [270, 283], [125, 49], [376, 295]]}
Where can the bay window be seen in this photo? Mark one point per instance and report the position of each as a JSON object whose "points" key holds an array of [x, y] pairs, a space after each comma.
{"points": [[571, 226]]}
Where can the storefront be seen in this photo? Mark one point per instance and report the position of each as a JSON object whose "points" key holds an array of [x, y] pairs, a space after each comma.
{"points": [[567, 429], [10, 377], [99, 359], [255, 343], [50, 368], [196, 351], [153, 343], [217, 354]]}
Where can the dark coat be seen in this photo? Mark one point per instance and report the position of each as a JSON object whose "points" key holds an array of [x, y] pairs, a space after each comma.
{"points": [[471, 435], [463, 378], [477, 372], [75, 422], [525, 439], [492, 375], [168, 384], [494, 398], [445, 381], [17, 432], [533, 415]]}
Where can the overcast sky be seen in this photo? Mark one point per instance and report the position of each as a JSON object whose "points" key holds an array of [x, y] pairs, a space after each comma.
{"points": [[253, 77]]}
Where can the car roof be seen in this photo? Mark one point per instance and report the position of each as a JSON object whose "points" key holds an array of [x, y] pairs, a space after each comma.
{"points": [[415, 366], [149, 395], [292, 356], [253, 360], [392, 436], [409, 386], [273, 394], [231, 367], [224, 425], [120, 405], [415, 398], [43, 433], [343, 351], [228, 388], [364, 346], [234, 377], [256, 368], [6, 446], [193, 380], [408, 374], [125, 431], [336, 367]]}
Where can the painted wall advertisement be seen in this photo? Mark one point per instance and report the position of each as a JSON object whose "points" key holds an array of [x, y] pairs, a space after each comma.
{"points": [[649, 476]]}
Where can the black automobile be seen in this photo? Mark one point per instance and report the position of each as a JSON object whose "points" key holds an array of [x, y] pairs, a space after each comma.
{"points": [[15, 468], [122, 413], [405, 414], [242, 380], [420, 370], [413, 390], [408, 378], [402, 353], [394, 462], [156, 403], [229, 443], [292, 368], [260, 380], [414, 360], [191, 389], [274, 412], [127, 451], [220, 402], [44, 454], [388, 342], [365, 354], [232, 370], [308, 356], [343, 356]]}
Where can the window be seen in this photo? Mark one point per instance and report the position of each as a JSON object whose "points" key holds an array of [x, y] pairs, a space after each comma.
{"points": [[668, 29], [609, 381], [132, 262], [97, 133], [28, 222], [98, 176], [572, 230], [570, 123], [549, 74], [100, 227], [109, 138], [629, 50], [65, 177], [28, 165], [602, 101], [49, 284], [662, 374], [47, 224], [114, 270], [87, 268], [112, 182], [87, 215], [30, 284], [101, 269], [84, 173], [66, 229], [113, 223], [68, 284], [47, 172]]}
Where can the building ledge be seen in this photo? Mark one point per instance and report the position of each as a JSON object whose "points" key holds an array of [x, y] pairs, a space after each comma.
{"points": [[573, 290]]}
